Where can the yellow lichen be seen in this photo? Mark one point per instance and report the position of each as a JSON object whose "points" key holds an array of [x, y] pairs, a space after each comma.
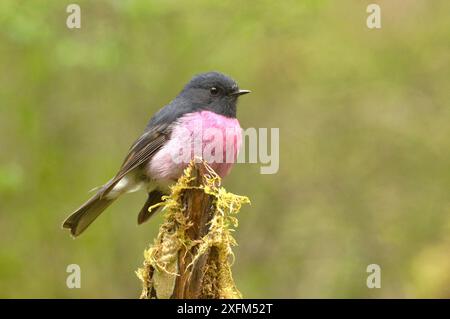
{"points": [[161, 259]]}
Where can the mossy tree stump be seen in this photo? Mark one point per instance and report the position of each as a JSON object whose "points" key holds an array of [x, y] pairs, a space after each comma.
{"points": [[192, 255]]}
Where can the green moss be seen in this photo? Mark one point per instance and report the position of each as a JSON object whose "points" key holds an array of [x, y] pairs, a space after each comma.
{"points": [[161, 259]]}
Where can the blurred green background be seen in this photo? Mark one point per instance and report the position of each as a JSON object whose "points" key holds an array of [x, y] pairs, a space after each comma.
{"points": [[364, 140]]}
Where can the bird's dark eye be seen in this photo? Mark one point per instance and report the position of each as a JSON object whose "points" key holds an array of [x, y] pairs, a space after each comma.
{"points": [[214, 90]]}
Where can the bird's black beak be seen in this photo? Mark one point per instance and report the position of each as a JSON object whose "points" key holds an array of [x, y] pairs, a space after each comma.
{"points": [[240, 92]]}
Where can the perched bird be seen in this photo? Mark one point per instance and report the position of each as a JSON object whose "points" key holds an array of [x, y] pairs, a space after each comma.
{"points": [[158, 157]]}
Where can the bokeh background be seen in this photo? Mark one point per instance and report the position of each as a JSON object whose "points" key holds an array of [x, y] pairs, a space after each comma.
{"points": [[364, 140]]}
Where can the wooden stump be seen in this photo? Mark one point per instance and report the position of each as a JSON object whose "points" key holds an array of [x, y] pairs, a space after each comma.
{"points": [[190, 258]]}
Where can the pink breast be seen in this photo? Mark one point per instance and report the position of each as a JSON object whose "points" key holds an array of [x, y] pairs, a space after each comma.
{"points": [[213, 137]]}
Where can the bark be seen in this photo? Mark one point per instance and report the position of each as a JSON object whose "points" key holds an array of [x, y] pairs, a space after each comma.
{"points": [[191, 256]]}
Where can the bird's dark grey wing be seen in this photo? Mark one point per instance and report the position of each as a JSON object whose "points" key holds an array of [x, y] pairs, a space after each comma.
{"points": [[140, 152]]}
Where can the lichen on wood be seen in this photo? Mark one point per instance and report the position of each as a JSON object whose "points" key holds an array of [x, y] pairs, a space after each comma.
{"points": [[192, 256]]}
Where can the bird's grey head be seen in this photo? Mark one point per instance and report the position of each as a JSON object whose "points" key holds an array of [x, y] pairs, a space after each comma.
{"points": [[213, 91]]}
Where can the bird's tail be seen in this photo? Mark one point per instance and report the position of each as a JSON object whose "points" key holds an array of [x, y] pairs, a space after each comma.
{"points": [[78, 221], [154, 197]]}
